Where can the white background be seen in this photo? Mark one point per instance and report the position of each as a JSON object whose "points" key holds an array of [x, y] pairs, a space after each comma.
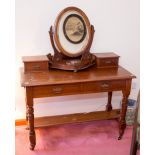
{"points": [[116, 25]]}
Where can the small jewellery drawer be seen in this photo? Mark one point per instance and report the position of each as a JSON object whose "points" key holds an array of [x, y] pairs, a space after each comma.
{"points": [[36, 66], [106, 60], [56, 90], [35, 63], [103, 86]]}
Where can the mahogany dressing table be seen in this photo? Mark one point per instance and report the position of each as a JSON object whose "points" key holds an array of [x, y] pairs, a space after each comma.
{"points": [[46, 83], [80, 71]]}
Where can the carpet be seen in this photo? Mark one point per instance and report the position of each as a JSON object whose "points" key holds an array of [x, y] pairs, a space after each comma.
{"points": [[88, 138]]}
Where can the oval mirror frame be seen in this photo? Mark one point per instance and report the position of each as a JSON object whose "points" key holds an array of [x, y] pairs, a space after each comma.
{"points": [[86, 32]]}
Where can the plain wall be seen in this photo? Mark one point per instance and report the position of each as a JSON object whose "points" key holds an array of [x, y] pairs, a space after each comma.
{"points": [[116, 25]]}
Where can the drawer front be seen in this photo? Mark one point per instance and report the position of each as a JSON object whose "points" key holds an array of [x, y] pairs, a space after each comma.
{"points": [[94, 87], [36, 66], [56, 90], [71, 89], [108, 62]]}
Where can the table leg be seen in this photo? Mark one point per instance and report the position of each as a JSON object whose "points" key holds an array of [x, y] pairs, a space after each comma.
{"points": [[109, 106], [30, 116], [26, 113], [27, 126], [122, 121], [32, 136]]}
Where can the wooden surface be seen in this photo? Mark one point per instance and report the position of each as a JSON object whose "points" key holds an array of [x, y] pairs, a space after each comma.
{"points": [[34, 58], [35, 66], [71, 118], [67, 77], [106, 55], [92, 80], [35, 63]]}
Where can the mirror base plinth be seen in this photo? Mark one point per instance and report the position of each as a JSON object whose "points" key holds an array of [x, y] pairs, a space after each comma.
{"points": [[69, 64]]}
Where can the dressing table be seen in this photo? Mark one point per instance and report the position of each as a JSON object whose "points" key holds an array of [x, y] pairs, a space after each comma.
{"points": [[41, 84], [73, 69]]}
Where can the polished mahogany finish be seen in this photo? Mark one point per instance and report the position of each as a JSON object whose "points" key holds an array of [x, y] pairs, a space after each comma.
{"points": [[92, 80], [55, 77], [106, 59], [70, 118], [35, 63]]}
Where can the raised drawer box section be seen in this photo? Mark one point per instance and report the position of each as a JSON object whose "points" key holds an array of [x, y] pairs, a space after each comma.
{"points": [[106, 60], [35, 63]]}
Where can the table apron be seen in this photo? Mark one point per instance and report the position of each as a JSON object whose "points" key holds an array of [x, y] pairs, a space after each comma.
{"points": [[78, 88]]}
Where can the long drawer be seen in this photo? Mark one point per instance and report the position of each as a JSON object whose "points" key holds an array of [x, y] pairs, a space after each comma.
{"points": [[92, 87], [79, 88], [56, 90]]}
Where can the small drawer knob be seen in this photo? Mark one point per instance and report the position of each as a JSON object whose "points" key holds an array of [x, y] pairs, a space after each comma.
{"points": [[57, 90], [36, 67], [105, 85], [108, 61]]}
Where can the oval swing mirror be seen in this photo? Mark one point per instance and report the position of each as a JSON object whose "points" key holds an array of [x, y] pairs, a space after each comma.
{"points": [[72, 32]]}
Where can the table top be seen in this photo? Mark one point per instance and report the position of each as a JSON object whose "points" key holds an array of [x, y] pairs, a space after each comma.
{"points": [[37, 58], [55, 76], [106, 55]]}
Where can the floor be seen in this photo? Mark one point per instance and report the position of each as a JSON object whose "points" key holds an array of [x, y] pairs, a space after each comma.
{"points": [[89, 138]]}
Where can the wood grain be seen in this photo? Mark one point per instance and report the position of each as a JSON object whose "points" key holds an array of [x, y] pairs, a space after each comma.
{"points": [[67, 77], [71, 118]]}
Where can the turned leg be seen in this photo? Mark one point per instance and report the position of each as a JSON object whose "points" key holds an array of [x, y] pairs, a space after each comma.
{"points": [[27, 127], [30, 117], [26, 113], [109, 106], [32, 136], [26, 109], [122, 121]]}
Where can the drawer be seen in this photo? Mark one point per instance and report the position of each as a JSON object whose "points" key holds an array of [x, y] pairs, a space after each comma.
{"points": [[108, 59], [35, 63], [94, 87], [35, 66], [107, 62], [56, 90]]}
